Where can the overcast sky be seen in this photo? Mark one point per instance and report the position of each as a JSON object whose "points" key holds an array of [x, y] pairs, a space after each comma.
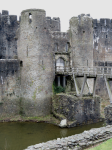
{"points": [[64, 9]]}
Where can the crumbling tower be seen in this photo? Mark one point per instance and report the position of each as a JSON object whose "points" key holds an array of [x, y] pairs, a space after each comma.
{"points": [[36, 60], [81, 41]]}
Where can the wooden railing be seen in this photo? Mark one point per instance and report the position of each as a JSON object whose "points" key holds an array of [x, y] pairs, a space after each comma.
{"points": [[86, 70]]}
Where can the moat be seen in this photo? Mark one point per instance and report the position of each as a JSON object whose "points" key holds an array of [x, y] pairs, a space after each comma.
{"points": [[18, 136]]}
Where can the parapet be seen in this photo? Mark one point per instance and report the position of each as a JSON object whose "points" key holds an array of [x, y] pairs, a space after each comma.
{"points": [[5, 12], [103, 22], [29, 10], [53, 24]]}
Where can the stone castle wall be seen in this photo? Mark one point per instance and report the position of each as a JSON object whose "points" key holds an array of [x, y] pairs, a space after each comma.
{"points": [[102, 45], [9, 87], [81, 41], [38, 42], [37, 72], [77, 111], [8, 42]]}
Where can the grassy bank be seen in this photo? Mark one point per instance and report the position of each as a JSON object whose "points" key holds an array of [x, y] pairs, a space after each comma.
{"points": [[19, 118], [103, 146]]}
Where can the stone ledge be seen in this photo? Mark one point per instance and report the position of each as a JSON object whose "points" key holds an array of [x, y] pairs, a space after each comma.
{"points": [[78, 141]]}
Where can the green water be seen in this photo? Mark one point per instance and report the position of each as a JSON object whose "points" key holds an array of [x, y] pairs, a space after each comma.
{"points": [[18, 136]]}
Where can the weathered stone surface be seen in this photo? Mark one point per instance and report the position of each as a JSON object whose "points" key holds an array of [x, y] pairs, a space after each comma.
{"points": [[35, 50], [40, 45], [79, 141], [8, 43], [108, 114], [76, 110], [9, 87]]}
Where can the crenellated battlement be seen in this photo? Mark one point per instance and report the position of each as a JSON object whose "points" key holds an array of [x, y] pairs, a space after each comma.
{"points": [[103, 22], [53, 24], [6, 19]]}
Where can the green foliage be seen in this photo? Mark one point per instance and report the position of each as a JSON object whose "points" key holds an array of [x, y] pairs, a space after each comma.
{"points": [[21, 112], [58, 89]]}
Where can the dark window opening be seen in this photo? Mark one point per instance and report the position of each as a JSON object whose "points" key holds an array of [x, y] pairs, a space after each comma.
{"points": [[59, 81], [56, 46], [27, 51], [21, 63], [83, 31], [106, 36], [30, 17], [67, 46]]}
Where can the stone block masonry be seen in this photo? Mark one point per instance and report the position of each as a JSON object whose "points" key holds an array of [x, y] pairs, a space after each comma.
{"points": [[76, 110], [8, 42], [108, 114], [35, 50], [76, 142], [9, 88]]}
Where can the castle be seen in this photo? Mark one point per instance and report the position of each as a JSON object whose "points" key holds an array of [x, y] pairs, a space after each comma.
{"points": [[33, 49]]}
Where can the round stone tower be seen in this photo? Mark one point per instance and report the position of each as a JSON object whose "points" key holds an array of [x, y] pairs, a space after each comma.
{"points": [[81, 40], [36, 61]]}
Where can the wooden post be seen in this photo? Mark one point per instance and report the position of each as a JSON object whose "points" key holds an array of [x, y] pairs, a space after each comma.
{"points": [[108, 89], [94, 86], [83, 85], [75, 83]]}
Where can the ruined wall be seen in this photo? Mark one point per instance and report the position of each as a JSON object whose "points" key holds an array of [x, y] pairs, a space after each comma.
{"points": [[77, 111], [101, 88], [8, 42], [53, 24], [102, 45], [9, 88], [81, 41], [61, 46], [37, 72]]}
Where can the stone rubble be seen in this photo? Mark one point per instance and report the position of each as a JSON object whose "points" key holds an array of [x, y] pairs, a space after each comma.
{"points": [[77, 141]]}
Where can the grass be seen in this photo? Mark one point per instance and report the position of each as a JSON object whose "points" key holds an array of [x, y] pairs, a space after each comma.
{"points": [[104, 146], [49, 119]]}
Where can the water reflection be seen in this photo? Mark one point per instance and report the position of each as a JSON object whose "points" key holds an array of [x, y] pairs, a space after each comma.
{"points": [[63, 132], [18, 136]]}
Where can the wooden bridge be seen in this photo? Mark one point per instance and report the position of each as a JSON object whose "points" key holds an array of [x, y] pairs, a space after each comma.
{"points": [[88, 72]]}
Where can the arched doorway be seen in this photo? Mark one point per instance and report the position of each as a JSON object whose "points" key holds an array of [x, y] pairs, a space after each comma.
{"points": [[60, 64]]}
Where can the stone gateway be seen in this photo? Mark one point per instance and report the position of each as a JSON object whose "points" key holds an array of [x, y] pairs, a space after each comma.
{"points": [[36, 58]]}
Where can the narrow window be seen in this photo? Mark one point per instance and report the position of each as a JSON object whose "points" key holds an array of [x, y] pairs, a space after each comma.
{"points": [[67, 46], [30, 17], [106, 36], [27, 51], [83, 31], [21, 63], [56, 47]]}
